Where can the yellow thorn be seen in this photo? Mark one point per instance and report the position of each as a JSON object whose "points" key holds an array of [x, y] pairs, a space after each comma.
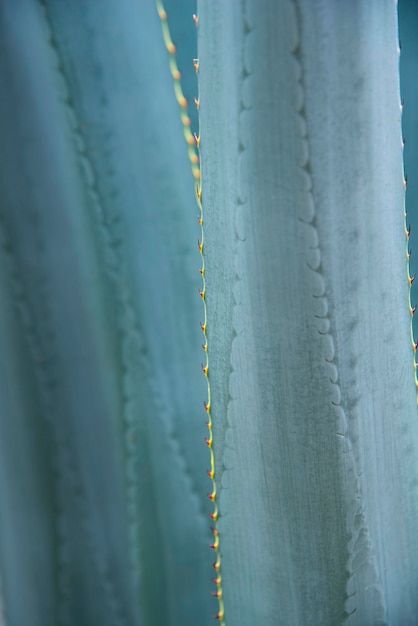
{"points": [[161, 12], [179, 95], [217, 564], [215, 544], [189, 137]]}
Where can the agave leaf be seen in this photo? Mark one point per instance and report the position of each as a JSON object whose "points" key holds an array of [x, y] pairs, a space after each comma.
{"points": [[98, 216], [26, 483], [315, 433]]}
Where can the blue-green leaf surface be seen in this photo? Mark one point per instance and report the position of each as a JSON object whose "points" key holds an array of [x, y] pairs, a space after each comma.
{"points": [[102, 425], [315, 430]]}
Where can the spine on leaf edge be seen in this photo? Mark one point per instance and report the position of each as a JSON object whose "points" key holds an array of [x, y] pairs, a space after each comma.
{"points": [[193, 142], [182, 102], [407, 227]]}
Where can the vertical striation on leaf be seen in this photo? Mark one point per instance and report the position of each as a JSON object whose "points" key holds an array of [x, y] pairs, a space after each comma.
{"points": [[302, 416], [358, 547]]}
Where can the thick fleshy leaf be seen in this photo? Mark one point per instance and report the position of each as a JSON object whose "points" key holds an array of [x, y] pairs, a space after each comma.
{"points": [[98, 220], [315, 431]]}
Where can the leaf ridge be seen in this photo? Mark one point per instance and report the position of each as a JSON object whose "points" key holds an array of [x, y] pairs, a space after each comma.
{"points": [[44, 364], [359, 544], [90, 179]]}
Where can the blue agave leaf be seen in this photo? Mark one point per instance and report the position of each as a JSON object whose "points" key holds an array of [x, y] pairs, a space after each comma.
{"points": [[98, 216], [26, 484], [314, 412], [54, 278]]}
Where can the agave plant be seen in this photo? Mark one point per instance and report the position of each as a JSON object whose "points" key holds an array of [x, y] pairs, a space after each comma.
{"points": [[306, 489]]}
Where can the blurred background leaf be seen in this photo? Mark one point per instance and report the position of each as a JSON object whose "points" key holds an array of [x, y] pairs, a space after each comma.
{"points": [[102, 430]]}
